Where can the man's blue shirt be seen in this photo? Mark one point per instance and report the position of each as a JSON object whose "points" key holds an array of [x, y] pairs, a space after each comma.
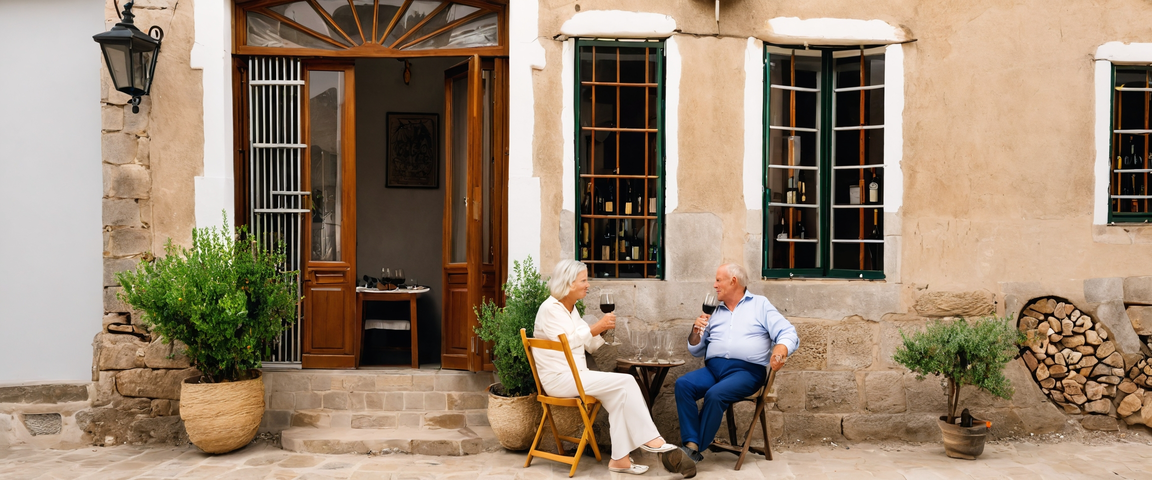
{"points": [[748, 332]]}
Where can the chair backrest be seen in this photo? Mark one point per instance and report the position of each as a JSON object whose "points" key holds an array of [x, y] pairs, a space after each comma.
{"points": [[558, 346]]}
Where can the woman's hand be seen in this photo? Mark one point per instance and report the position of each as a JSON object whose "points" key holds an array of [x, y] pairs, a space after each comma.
{"points": [[607, 322]]}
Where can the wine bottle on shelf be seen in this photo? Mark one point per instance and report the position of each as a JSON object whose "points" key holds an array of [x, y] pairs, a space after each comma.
{"points": [[873, 249], [803, 190], [791, 190], [652, 206], [875, 232], [627, 198], [607, 242], [586, 203], [609, 201], [800, 232], [781, 229], [637, 246], [600, 207], [873, 188], [639, 201], [622, 241]]}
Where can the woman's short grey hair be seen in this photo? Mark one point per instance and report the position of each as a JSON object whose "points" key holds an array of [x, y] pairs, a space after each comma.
{"points": [[563, 276], [737, 271]]}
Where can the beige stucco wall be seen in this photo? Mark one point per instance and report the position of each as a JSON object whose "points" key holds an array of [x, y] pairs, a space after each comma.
{"points": [[997, 166]]}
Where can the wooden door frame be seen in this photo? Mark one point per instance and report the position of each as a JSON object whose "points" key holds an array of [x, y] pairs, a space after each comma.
{"points": [[348, 216]]}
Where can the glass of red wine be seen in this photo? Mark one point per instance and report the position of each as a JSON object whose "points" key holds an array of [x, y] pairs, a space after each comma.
{"points": [[709, 306], [608, 305]]}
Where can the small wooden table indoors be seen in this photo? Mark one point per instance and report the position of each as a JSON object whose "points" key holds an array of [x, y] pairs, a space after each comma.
{"points": [[650, 375], [397, 295]]}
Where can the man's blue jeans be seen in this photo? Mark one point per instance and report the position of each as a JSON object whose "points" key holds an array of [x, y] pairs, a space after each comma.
{"points": [[721, 382]]}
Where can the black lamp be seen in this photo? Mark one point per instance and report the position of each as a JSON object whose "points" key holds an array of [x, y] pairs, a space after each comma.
{"points": [[131, 56]]}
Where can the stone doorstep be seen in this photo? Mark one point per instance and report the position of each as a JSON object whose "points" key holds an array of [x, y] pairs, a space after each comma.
{"points": [[376, 420], [464, 441], [373, 380]]}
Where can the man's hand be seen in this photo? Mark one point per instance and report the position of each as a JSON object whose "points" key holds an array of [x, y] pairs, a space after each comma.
{"points": [[698, 329], [607, 322], [779, 357]]}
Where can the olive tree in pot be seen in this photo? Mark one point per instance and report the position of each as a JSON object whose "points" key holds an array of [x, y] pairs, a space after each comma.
{"points": [[226, 299], [513, 411], [964, 352]]}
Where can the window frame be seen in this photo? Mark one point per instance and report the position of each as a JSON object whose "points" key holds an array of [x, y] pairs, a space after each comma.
{"points": [[661, 184], [825, 163], [1114, 217]]}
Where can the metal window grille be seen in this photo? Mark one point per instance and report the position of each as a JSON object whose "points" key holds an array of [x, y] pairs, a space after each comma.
{"points": [[275, 195]]}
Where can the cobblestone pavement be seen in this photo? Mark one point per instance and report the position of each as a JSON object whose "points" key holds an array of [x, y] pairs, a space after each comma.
{"points": [[1114, 459]]}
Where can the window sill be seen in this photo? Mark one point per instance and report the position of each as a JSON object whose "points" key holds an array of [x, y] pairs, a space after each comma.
{"points": [[1122, 233]]}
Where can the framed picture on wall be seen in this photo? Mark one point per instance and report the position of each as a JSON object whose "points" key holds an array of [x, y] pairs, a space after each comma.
{"points": [[413, 159]]}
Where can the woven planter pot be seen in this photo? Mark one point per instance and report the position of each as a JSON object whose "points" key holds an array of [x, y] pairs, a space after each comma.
{"points": [[513, 419], [222, 417]]}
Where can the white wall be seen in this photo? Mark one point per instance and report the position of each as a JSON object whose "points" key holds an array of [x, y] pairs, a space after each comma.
{"points": [[50, 190]]}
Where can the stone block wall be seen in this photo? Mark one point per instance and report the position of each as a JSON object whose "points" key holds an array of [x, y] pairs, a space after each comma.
{"points": [[44, 416]]}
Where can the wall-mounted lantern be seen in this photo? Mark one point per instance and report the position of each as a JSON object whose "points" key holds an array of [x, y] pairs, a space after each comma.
{"points": [[131, 56]]}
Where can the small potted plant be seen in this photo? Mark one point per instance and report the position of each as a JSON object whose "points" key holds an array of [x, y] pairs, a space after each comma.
{"points": [[513, 411], [226, 299], [965, 352]]}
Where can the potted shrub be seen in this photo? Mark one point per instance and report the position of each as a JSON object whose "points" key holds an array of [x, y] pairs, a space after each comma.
{"points": [[964, 352], [226, 300], [513, 411]]}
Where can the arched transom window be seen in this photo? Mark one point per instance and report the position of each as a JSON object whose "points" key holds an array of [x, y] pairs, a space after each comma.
{"points": [[370, 27]]}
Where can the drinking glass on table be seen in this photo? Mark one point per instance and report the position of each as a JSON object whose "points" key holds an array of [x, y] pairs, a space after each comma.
{"points": [[661, 352], [669, 344], [638, 340], [399, 277], [608, 305]]}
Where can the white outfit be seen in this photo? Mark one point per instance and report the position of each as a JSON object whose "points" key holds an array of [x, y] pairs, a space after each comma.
{"points": [[630, 423]]}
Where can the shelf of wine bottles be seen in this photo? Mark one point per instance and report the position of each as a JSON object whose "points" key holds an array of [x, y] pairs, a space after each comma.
{"points": [[619, 160], [1129, 194]]}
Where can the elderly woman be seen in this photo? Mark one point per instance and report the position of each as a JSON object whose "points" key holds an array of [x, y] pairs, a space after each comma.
{"points": [[630, 423]]}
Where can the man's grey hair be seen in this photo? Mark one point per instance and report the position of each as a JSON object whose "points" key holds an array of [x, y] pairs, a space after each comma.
{"points": [[737, 271], [563, 276]]}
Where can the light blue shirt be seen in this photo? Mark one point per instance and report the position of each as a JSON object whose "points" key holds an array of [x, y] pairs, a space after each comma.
{"points": [[748, 332]]}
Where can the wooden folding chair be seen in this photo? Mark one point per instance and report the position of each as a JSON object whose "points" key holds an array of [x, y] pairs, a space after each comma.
{"points": [[582, 403], [762, 397]]}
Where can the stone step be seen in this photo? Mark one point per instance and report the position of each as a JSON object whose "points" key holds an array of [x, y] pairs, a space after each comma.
{"points": [[434, 419], [421, 441]]}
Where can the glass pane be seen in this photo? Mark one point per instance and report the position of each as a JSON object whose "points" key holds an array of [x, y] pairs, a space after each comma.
{"points": [[459, 170], [807, 72], [486, 252], [604, 113], [632, 159], [783, 151], [632, 65], [633, 106], [847, 144], [858, 186], [325, 107], [481, 32], [265, 31], [848, 108], [858, 256], [793, 243], [384, 15], [449, 15], [414, 15], [304, 14], [342, 14], [605, 67]]}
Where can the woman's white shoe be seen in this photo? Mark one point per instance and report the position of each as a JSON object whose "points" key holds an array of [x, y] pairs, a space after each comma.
{"points": [[633, 469], [667, 447]]}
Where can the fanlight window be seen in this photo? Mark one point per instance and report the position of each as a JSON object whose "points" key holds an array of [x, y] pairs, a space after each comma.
{"points": [[335, 25]]}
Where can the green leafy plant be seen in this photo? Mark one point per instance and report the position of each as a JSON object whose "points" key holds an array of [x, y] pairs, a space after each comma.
{"points": [[965, 352], [225, 299], [524, 292]]}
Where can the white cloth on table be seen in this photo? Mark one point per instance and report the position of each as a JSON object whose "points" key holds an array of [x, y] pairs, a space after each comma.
{"points": [[629, 421]]}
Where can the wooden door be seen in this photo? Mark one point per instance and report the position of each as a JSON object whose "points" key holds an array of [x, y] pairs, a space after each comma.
{"points": [[329, 241], [474, 210]]}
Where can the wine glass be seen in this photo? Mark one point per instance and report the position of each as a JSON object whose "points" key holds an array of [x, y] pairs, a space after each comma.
{"points": [[623, 325], [399, 277], [608, 305], [669, 344], [638, 340], [710, 303], [658, 344], [385, 278]]}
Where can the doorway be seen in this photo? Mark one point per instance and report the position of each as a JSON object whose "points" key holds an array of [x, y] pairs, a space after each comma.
{"points": [[355, 219]]}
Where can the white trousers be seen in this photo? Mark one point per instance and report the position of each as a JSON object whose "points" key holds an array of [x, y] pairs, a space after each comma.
{"points": [[629, 422]]}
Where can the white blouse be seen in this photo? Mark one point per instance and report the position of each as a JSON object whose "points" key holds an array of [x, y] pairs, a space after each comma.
{"points": [[552, 320]]}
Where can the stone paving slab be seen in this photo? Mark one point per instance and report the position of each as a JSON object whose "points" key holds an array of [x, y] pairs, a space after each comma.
{"points": [[1020, 460]]}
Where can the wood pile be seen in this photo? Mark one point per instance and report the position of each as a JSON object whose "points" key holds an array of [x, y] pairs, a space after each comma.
{"points": [[1078, 367]]}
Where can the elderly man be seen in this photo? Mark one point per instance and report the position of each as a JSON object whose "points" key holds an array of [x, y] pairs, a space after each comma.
{"points": [[744, 334]]}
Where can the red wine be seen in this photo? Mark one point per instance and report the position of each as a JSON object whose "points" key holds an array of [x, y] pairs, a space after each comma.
{"points": [[607, 307], [708, 309]]}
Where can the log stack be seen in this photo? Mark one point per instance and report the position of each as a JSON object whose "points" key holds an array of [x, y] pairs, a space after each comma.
{"points": [[1078, 367]]}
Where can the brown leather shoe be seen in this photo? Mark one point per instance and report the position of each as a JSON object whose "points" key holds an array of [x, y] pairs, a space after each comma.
{"points": [[679, 461]]}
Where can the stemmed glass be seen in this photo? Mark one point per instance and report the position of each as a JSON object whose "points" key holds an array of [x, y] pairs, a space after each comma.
{"points": [[638, 339], [658, 345], [710, 303], [608, 305], [669, 344], [385, 278], [399, 277]]}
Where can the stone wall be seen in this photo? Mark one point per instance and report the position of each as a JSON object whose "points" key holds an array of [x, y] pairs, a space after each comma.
{"points": [[44, 416]]}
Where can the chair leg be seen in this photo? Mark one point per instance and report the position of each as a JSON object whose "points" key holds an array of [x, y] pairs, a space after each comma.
{"points": [[595, 448], [583, 440], [556, 435], [731, 414], [764, 428], [536, 440], [758, 415]]}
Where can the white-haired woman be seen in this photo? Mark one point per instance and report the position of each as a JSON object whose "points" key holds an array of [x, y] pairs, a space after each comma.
{"points": [[630, 423]]}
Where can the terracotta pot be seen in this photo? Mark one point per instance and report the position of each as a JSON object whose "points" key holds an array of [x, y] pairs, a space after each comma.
{"points": [[963, 442], [222, 417], [513, 419]]}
